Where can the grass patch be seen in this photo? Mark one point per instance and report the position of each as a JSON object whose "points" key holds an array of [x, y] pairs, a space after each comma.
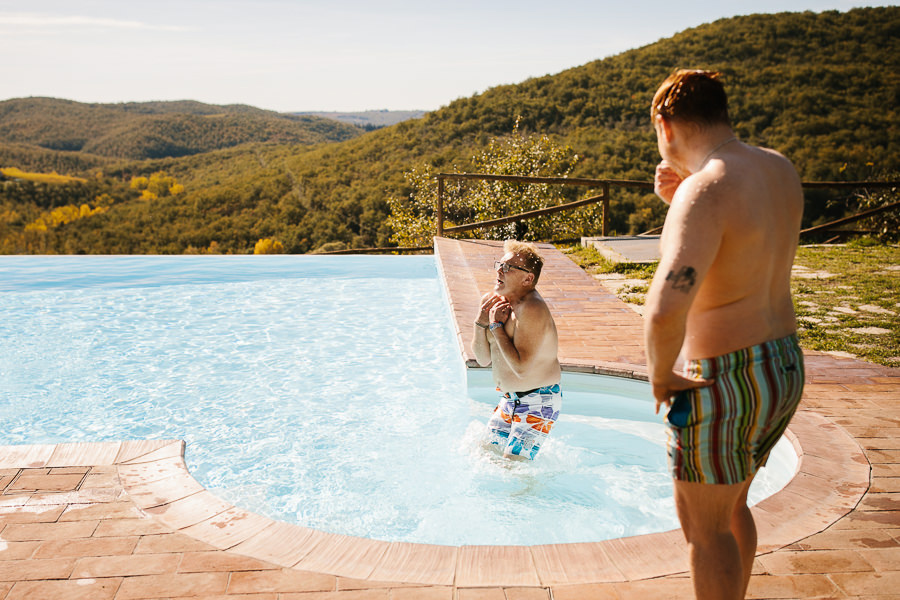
{"points": [[847, 299], [590, 259], [846, 296]]}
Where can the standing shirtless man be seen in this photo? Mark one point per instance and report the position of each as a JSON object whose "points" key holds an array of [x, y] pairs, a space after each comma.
{"points": [[516, 335], [721, 297]]}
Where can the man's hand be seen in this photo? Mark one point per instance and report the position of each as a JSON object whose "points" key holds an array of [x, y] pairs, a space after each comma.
{"points": [[487, 303], [663, 391], [666, 181], [500, 310]]}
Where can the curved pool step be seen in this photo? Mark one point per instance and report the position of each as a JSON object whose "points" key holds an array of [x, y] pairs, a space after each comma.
{"points": [[831, 478]]}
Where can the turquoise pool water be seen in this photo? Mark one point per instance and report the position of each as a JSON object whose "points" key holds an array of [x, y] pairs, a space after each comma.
{"points": [[326, 391]]}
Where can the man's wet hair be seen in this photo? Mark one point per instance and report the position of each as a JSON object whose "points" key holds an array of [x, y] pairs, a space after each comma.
{"points": [[532, 261], [692, 95]]}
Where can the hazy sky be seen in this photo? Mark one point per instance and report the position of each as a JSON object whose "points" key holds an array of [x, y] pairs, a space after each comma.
{"points": [[343, 55]]}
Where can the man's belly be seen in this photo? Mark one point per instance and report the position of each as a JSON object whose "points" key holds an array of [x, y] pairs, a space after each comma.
{"points": [[541, 376], [718, 331]]}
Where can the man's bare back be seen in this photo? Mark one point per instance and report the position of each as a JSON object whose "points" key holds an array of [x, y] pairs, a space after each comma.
{"points": [[748, 202]]}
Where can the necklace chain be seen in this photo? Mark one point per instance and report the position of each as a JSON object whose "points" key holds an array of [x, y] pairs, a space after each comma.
{"points": [[713, 151]]}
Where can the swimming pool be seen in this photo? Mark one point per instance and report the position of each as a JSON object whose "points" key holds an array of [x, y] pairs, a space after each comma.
{"points": [[284, 376]]}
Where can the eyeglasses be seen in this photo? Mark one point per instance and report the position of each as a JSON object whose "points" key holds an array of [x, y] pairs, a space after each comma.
{"points": [[505, 267]]}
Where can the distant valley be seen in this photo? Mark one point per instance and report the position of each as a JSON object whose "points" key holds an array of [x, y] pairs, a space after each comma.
{"points": [[368, 119]]}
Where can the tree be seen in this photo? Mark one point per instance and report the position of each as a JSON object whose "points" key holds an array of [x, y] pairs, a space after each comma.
{"points": [[268, 246], [158, 185], [412, 218], [886, 225]]}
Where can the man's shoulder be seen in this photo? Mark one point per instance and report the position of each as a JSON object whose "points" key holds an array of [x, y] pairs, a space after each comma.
{"points": [[771, 153], [533, 306], [533, 315], [701, 194], [728, 183]]}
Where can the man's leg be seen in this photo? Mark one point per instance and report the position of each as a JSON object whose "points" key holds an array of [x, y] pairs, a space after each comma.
{"points": [[744, 529], [719, 537]]}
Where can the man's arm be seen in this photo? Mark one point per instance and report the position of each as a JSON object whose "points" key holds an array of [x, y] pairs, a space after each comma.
{"points": [[691, 239], [481, 348]]}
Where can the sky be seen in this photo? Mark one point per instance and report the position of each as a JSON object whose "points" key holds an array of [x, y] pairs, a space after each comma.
{"points": [[328, 55]]}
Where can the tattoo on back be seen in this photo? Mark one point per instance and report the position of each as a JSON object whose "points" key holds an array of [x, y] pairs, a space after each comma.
{"points": [[683, 280]]}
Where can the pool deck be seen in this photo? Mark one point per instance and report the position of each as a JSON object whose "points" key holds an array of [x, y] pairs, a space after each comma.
{"points": [[126, 520]]}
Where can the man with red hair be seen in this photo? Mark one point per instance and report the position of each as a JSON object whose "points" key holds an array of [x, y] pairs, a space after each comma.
{"points": [[721, 299]]}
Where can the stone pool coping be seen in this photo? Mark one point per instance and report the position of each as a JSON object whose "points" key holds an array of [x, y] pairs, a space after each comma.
{"points": [[140, 493], [154, 477]]}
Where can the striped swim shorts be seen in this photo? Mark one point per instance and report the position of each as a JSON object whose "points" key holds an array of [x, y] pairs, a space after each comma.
{"points": [[724, 433]]}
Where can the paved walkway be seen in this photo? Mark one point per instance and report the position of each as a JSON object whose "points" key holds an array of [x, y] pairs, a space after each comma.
{"points": [[127, 521]]}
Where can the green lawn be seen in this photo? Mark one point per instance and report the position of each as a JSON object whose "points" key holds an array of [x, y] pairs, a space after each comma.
{"points": [[847, 299]]}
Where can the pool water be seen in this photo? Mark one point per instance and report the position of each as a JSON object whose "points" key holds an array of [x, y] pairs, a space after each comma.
{"points": [[325, 391]]}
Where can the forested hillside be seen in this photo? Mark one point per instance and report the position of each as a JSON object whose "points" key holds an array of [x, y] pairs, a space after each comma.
{"points": [[139, 130], [824, 89]]}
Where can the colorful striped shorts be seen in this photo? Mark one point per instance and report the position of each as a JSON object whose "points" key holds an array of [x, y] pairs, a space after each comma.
{"points": [[724, 433], [522, 420]]}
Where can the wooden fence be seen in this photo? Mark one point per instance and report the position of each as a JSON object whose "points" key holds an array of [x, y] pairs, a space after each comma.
{"points": [[604, 199]]}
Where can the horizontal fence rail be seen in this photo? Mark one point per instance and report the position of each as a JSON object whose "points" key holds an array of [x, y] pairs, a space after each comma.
{"points": [[604, 199], [582, 181], [540, 212], [852, 218], [383, 250], [849, 185]]}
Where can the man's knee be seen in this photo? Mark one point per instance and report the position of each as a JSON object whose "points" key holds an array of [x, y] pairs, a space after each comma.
{"points": [[706, 510], [509, 455]]}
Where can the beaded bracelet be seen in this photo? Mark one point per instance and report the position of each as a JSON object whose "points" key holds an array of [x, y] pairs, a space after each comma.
{"points": [[496, 324], [480, 325]]}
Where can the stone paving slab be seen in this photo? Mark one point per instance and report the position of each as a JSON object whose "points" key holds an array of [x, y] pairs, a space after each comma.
{"points": [[626, 248], [126, 519]]}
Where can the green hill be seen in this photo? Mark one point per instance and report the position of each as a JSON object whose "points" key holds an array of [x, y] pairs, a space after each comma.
{"points": [[140, 130], [823, 88]]}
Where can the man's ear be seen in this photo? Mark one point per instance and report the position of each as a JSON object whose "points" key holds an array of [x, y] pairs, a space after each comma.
{"points": [[663, 128]]}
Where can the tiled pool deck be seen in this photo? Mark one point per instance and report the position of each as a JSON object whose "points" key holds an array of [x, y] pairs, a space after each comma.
{"points": [[127, 521]]}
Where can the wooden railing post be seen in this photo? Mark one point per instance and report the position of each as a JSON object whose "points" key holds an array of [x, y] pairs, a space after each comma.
{"points": [[439, 209], [604, 229]]}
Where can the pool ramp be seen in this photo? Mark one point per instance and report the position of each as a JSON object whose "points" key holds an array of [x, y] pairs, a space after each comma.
{"points": [[626, 248]]}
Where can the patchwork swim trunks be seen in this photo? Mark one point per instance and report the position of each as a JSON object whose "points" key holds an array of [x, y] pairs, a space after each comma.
{"points": [[724, 433], [522, 420]]}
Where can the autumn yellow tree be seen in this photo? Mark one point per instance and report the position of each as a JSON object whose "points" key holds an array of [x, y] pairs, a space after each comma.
{"points": [[158, 185], [268, 246]]}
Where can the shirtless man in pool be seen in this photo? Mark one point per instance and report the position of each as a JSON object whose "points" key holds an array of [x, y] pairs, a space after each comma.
{"points": [[721, 296], [515, 334]]}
